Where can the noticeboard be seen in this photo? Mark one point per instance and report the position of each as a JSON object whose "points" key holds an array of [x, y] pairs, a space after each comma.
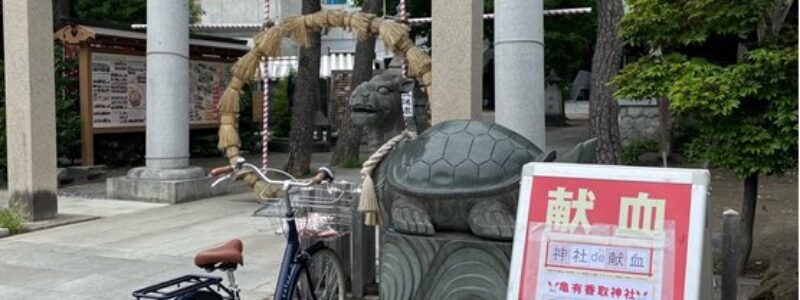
{"points": [[119, 90], [608, 232]]}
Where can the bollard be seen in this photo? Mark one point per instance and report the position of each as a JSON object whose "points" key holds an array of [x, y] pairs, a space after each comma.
{"points": [[730, 249]]}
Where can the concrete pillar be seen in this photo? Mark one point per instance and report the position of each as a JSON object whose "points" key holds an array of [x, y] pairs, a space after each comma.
{"points": [[30, 108], [167, 84], [457, 37], [167, 176], [519, 67]]}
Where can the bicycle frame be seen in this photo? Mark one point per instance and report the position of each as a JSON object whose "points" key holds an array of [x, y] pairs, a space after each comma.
{"points": [[294, 260]]}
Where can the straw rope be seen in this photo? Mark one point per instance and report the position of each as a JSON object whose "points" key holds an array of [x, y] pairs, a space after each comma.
{"points": [[300, 30], [368, 203]]}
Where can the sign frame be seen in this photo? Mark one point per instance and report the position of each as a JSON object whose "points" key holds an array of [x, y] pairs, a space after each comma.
{"points": [[697, 178], [88, 130], [138, 127]]}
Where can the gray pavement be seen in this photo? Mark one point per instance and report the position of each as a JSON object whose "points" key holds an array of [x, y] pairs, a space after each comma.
{"points": [[109, 257], [133, 244]]}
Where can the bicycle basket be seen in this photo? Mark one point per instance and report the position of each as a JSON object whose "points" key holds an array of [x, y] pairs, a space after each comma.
{"points": [[320, 212]]}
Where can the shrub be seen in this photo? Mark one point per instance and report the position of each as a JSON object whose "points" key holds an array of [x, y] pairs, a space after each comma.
{"points": [[203, 143], [280, 107], [68, 120], [11, 220], [634, 150], [120, 150], [352, 163], [249, 132]]}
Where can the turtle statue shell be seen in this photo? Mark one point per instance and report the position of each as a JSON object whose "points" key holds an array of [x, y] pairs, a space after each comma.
{"points": [[460, 157]]}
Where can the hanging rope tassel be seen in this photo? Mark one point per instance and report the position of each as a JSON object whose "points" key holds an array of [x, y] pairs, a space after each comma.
{"points": [[368, 202]]}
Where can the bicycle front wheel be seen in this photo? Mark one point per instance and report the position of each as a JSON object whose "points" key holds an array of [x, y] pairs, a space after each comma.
{"points": [[323, 278]]}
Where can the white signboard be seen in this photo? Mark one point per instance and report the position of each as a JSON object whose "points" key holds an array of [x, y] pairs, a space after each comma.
{"points": [[408, 104], [119, 90]]}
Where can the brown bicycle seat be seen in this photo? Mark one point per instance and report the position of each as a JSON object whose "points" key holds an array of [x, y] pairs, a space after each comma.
{"points": [[225, 256]]}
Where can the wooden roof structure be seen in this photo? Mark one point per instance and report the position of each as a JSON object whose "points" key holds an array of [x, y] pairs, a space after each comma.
{"points": [[120, 39]]}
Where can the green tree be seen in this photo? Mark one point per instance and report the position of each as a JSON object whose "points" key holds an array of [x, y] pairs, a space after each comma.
{"points": [[124, 11], [281, 107], [746, 106], [569, 39]]}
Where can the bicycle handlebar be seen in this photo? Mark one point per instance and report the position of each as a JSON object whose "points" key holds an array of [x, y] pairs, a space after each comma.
{"points": [[324, 174]]}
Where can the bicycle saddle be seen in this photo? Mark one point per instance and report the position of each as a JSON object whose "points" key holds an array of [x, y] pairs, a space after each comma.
{"points": [[225, 256]]}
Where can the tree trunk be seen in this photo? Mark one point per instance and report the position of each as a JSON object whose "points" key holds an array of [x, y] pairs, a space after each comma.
{"points": [[603, 108], [62, 13], [749, 202], [307, 96], [349, 140]]}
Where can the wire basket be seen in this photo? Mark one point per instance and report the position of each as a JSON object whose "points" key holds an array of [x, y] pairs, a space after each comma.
{"points": [[320, 212]]}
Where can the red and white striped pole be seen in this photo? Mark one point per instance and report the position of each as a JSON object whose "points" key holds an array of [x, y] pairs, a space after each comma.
{"points": [[265, 102], [408, 98], [404, 20]]}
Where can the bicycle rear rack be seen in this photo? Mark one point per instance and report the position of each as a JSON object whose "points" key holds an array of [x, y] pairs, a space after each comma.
{"points": [[181, 287]]}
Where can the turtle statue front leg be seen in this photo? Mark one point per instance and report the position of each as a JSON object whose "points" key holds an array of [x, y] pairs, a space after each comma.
{"points": [[491, 219], [409, 216]]}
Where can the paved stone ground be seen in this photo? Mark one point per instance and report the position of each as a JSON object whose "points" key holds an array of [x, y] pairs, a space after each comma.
{"points": [[110, 257], [134, 244]]}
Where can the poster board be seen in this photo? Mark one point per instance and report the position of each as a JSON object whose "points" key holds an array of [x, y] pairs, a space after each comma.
{"points": [[119, 90], [608, 232]]}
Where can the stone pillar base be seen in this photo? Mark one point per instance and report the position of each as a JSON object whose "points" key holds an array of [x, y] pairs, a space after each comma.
{"points": [[448, 264], [173, 186]]}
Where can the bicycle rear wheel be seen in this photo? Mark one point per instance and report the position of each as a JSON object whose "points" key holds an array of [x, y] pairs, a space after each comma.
{"points": [[327, 278]]}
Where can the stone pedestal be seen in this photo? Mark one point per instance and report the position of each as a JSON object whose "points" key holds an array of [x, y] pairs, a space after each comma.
{"points": [[445, 266], [457, 37], [30, 108], [167, 186], [167, 176]]}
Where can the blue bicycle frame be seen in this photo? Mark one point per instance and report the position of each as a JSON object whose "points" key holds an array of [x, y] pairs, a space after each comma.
{"points": [[294, 261]]}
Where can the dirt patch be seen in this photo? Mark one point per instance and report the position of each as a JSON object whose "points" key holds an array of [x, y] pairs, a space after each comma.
{"points": [[775, 229]]}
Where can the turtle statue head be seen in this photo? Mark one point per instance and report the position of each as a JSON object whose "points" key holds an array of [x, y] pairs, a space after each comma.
{"points": [[375, 106]]}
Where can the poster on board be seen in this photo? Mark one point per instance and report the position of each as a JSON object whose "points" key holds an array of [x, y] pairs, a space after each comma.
{"points": [[119, 90], [608, 232]]}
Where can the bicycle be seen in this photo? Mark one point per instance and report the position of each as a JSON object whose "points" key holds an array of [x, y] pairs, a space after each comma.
{"points": [[314, 272]]}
